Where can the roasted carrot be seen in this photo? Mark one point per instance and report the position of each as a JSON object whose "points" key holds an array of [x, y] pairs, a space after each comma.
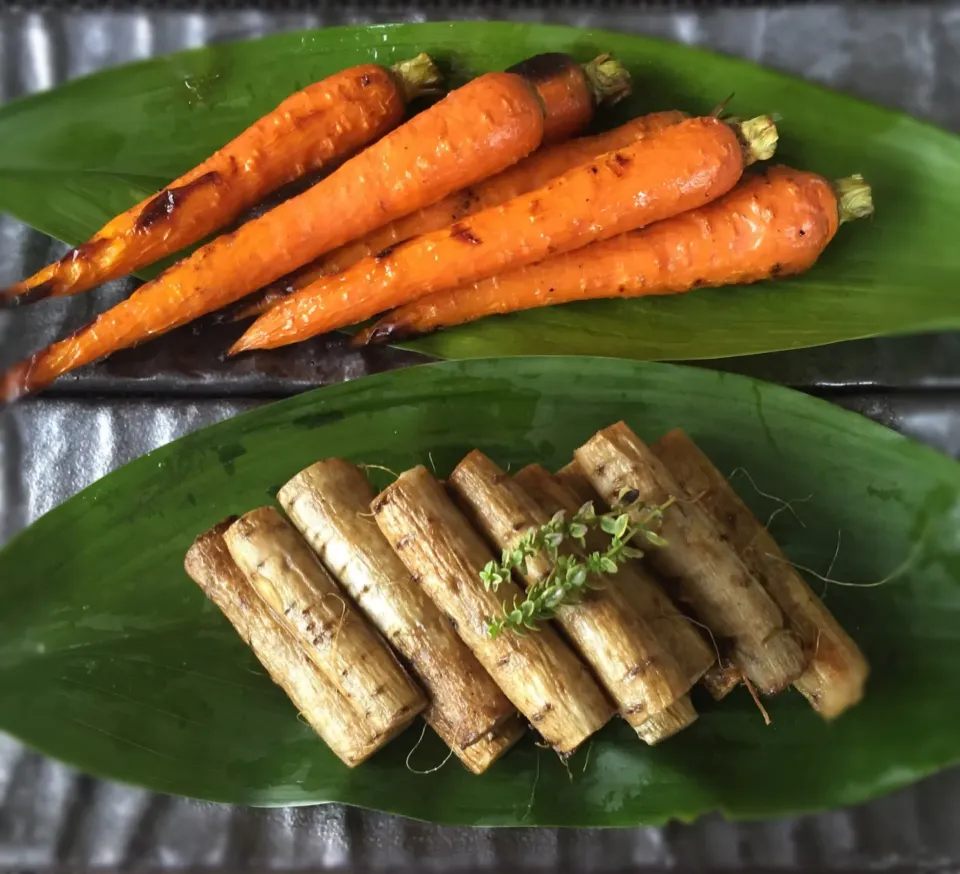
{"points": [[569, 93], [325, 122], [475, 131], [679, 168], [772, 225]]}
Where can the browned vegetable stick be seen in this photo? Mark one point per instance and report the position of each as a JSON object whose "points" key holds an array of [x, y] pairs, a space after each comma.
{"points": [[287, 575], [329, 502], [722, 679], [678, 634], [706, 572], [323, 706], [554, 497], [538, 673], [837, 669], [668, 722], [640, 676]]}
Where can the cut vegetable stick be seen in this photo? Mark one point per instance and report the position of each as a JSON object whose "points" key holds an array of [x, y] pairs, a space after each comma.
{"points": [[703, 569], [539, 673], [327, 711], [329, 503], [325, 122], [674, 630], [530, 173], [679, 168], [722, 679], [836, 670], [665, 724], [637, 672], [475, 131], [284, 571], [553, 497], [770, 226]]}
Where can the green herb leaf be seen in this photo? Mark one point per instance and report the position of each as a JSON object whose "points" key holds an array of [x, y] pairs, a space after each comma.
{"points": [[655, 538]]}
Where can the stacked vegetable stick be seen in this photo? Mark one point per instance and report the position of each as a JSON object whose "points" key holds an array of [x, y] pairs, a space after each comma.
{"points": [[637, 672], [412, 564], [836, 669], [329, 503]]}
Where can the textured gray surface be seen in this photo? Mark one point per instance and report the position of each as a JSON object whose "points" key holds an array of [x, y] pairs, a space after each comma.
{"points": [[905, 57]]}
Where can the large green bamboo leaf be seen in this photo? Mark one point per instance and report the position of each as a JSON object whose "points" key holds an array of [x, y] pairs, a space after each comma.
{"points": [[71, 158], [111, 659]]}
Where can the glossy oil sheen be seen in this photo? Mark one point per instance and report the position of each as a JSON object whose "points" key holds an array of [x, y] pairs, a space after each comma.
{"points": [[72, 158], [111, 659]]}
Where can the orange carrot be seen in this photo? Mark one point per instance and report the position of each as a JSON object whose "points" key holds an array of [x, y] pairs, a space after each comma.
{"points": [[679, 168], [772, 225], [569, 93], [475, 131], [323, 123]]}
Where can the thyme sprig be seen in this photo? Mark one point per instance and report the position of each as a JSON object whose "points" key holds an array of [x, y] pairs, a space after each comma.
{"points": [[572, 575]]}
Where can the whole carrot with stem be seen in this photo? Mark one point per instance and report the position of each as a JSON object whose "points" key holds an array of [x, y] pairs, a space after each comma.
{"points": [[573, 91], [476, 131], [679, 168], [570, 93], [772, 225], [323, 123]]}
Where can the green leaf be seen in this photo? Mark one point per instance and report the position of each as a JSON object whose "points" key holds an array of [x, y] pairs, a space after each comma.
{"points": [[112, 660], [607, 566], [621, 526], [73, 157], [609, 525]]}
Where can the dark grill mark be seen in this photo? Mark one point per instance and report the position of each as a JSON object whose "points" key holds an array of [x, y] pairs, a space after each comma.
{"points": [[169, 200], [619, 164], [461, 232], [542, 68]]}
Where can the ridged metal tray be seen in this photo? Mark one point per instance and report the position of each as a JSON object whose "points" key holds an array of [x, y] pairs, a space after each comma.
{"points": [[902, 55]]}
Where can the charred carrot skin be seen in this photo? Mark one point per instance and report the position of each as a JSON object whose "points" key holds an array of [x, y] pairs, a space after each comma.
{"points": [[325, 122], [475, 131], [562, 86], [772, 225], [570, 92], [680, 168]]}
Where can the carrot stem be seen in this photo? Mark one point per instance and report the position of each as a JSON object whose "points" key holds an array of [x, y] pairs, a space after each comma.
{"points": [[854, 198], [758, 136], [418, 76], [609, 80]]}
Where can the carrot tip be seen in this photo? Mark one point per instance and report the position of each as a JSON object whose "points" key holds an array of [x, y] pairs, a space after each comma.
{"points": [[363, 338], [15, 383]]}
